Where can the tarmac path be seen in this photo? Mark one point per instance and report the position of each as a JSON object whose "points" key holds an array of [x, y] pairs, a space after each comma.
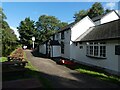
{"points": [[63, 77]]}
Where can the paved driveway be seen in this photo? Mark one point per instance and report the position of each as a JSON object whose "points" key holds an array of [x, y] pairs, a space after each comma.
{"points": [[63, 77]]}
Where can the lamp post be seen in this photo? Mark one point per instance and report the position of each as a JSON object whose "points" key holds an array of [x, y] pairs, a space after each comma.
{"points": [[33, 39]]}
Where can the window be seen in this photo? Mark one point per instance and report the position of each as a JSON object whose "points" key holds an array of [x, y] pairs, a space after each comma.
{"points": [[91, 50], [96, 49], [102, 51], [81, 47], [62, 47], [62, 35], [76, 43], [53, 37], [57, 36], [117, 49]]}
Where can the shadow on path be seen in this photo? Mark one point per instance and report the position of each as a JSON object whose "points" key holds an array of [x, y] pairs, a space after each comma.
{"points": [[79, 81], [53, 81]]}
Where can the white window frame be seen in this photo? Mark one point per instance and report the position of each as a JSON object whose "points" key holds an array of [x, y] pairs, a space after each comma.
{"points": [[90, 47]]}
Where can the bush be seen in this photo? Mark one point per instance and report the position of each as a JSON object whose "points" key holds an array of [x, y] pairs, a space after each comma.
{"points": [[17, 54]]}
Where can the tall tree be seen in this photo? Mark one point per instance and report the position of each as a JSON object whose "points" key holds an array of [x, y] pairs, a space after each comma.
{"points": [[2, 15], [79, 15], [27, 31], [8, 40], [47, 25], [96, 10]]}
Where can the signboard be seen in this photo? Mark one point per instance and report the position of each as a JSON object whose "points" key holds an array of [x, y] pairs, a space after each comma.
{"points": [[117, 50]]}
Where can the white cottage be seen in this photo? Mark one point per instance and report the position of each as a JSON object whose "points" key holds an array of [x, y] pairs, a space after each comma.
{"points": [[93, 42], [111, 16], [100, 47], [60, 44], [69, 34]]}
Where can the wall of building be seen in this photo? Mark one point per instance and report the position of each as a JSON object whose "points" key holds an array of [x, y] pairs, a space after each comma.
{"points": [[110, 63], [80, 27], [119, 63], [42, 48], [55, 51], [66, 41], [109, 17], [57, 36], [119, 58]]}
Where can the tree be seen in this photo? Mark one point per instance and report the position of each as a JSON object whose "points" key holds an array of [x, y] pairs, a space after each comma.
{"points": [[79, 15], [62, 24], [8, 40], [96, 10], [47, 25], [27, 31], [2, 15]]}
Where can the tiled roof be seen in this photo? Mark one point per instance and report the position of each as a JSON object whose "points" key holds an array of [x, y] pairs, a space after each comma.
{"points": [[67, 27], [110, 30]]}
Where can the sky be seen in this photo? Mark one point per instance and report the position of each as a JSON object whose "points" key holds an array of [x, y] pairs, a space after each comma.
{"points": [[64, 11]]}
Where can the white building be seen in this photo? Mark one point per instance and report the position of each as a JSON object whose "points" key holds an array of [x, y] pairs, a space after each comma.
{"points": [[111, 16], [100, 47], [94, 42], [69, 34]]}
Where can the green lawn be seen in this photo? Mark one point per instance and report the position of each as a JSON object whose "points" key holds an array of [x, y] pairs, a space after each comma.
{"points": [[3, 59], [98, 74]]}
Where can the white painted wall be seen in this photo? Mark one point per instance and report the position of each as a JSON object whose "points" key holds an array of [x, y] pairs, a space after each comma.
{"points": [[109, 17], [119, 63], [80, 27], [55, 51], [119, 58], [111, 62], [66, 44], [42, 48]]}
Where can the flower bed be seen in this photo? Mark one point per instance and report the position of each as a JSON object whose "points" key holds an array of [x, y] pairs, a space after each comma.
{"points": [[17, 54]]}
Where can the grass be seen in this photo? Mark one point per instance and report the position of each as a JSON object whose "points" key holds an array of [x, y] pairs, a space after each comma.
{"points": [[100, 74], [3, 59]]}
